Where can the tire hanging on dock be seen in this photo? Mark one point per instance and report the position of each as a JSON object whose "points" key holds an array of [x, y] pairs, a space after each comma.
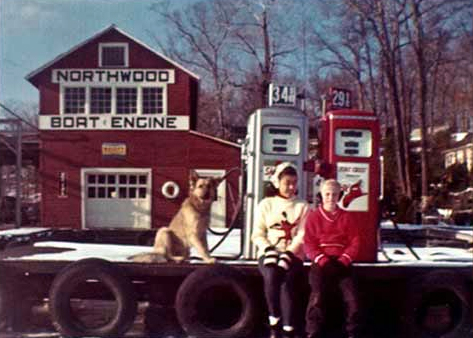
{"points": [[437, 305], [216, 302], [68, 285]]}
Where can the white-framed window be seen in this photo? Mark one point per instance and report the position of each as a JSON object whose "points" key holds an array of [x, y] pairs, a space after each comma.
{"points": [[74, 100], [450, 159], [113, 99], [127, 100], [469, 159], [100, 100], [460, 156], [113, 55], [153, 101]]}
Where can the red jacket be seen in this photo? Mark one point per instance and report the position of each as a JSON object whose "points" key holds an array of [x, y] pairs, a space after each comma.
{"points": [[331, 234]]}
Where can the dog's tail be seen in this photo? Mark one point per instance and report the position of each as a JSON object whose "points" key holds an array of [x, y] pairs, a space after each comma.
{"points": [[148, 257]]}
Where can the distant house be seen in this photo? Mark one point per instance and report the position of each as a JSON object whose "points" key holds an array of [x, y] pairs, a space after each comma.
{"points": [[415, 136], [461, 151]]}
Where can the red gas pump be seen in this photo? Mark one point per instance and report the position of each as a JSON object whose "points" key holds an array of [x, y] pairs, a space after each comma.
{"points": [[350, 153]]}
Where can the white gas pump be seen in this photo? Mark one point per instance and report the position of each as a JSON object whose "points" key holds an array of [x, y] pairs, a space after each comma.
{"points": [[274, 135]]}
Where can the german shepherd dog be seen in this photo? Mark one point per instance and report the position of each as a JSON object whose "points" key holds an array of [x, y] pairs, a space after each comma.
{"points": [[189, 226]]}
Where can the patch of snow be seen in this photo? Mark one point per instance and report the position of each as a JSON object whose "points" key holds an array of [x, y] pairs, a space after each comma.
{"points": [[398, 253], [22, 231], [457, 137], [402, 226]]}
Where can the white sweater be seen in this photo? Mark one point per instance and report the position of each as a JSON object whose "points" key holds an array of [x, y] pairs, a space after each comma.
{"points": [[267, 226]]}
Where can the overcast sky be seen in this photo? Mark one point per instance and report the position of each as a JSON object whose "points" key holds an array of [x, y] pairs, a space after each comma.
{"points": [[33, 32]]}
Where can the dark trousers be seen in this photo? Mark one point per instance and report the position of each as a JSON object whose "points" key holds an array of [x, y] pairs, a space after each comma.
{"points": [[320, 281], [280, 287]]}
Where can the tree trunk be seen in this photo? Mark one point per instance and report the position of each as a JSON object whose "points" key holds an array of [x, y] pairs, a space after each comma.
{"points": [[419, 45], [267, 61], [389, 66]]}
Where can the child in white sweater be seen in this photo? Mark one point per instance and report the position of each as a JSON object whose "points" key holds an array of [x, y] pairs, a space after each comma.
{"points": [[278, 233]]}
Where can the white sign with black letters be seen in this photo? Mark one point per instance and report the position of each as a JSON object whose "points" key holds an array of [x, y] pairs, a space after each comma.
{"points": [[282, 95], [113, 122], [126, 75]]}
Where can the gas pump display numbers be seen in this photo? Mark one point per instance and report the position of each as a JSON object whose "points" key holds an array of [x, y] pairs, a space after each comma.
{"points": [[340, 98], [353, 142], [282, 96], [283, 140]]}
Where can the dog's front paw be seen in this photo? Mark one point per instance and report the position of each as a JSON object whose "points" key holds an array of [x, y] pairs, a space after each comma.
{"points": [[177, 259], [210, 260]]}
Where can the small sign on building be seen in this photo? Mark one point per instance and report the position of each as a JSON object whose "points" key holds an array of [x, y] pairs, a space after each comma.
{"points": [[62, 185], [113, 150]]}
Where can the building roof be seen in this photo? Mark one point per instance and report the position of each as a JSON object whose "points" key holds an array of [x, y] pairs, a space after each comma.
{"points": [[215, 139], [97, 35], [466, 140], [415, 133]]}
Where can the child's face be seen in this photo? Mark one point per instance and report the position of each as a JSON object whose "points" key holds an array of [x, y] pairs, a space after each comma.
{"points": [[330, 195], [288, 186]]}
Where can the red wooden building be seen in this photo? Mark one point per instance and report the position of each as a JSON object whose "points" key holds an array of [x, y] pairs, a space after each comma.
{"points": [[117, 128]]}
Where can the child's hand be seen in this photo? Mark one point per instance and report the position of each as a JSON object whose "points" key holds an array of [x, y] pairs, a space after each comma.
{"points": [[285, 260], [323, 261], [344, 260]]}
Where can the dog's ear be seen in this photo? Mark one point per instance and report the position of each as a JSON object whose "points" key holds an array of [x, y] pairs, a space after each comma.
{"points": [[193, 177]]}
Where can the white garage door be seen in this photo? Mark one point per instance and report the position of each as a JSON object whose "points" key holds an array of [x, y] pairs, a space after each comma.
{"points": [[117, 198]]}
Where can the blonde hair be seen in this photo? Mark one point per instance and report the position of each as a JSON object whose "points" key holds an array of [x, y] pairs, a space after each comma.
{"points": [[330, 183]]}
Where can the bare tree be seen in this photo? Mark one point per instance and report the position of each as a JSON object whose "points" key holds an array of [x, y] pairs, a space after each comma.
{"points": [[265, 37], [384, 20], [199, 38]]}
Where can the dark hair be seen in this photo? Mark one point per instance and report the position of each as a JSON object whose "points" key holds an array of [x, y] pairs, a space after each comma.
{"points": [[289, 171]]}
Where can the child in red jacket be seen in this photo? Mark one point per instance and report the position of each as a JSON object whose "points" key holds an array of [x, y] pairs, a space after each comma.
{"points": [[331, 242]]}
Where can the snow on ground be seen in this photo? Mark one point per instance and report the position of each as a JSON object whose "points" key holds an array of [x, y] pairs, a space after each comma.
{"points": [[22, 231], [397, 253]]}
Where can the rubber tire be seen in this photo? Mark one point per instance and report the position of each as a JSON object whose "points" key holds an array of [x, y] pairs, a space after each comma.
{"points": [[202, 282], [421, 288], [74, 274]]}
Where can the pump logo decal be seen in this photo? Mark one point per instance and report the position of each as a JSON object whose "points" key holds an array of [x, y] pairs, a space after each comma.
{"points": [[354, 178], [352, 192]]}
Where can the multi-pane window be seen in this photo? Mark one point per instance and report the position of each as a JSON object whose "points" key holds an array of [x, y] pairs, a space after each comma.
{"points": [[114, 100], [113, 56], [100, 100], [117, 186], [126, 100], [74, 100], [152, 100]]}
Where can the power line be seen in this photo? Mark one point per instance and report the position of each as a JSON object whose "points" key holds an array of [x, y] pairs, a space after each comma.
{"points": [[18, 116]]}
